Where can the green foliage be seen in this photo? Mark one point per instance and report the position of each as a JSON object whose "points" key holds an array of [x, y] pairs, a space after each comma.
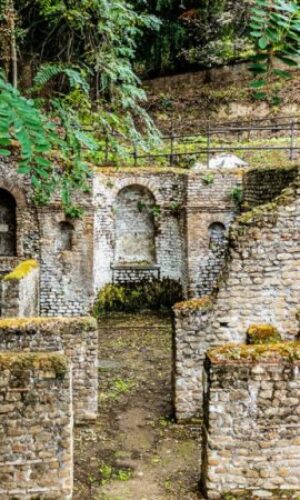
{"points": [[275, 30], [208, 179], [49, 71], [237, 195], [23, 125], [88, 91], [217, 30], [130, 297], [109, 473]]}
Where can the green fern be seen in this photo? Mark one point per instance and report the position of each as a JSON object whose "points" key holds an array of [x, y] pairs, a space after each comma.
{"points": [[49, 71]]}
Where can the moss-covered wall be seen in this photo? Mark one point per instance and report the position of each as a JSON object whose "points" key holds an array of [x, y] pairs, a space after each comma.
{"points": [[259, 286], [77, 338]]}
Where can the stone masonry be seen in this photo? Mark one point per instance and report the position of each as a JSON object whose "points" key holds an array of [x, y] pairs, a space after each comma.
{"points": [[76, 338], [190, 345], [251, 443], [259, 285], [36, 451]]}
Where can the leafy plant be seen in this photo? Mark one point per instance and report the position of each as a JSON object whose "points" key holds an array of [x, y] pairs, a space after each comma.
{"points": [[275, 30], [130, 297], [208, 179], [109, 473], [237, 195], [88, 91]]}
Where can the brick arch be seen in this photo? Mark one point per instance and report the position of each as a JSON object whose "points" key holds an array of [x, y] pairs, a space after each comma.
{"points": [[15, 192], [138, 181]]}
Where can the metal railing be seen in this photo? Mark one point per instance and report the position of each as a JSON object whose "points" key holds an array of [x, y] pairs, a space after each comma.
{"points": [[221, 137]]}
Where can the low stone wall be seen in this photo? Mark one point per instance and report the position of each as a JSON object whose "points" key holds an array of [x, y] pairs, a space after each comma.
{"points": [[20, 291], [35, 427], [190, 345], [77, 338], [251, 431]]}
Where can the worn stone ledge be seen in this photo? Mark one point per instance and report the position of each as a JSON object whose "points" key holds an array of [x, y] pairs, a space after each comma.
{"points": [[281, 352], [75, 337], [204, 303], [34, 361], [48, 324]]}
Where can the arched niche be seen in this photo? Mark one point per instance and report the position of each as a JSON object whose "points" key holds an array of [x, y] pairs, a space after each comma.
{"points": [[65, 236], [217, 237], [8, 225], [134, 225]]}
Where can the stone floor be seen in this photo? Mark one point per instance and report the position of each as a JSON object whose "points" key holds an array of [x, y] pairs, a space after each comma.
{"points": [[134, 451]]}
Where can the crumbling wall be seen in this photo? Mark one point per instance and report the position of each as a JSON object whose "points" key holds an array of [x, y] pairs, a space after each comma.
{"points": [[20, 291], [36, 451], [77, 338], [210, 201], [264, 184], [259, 285], [251, 445], [190, 345]]}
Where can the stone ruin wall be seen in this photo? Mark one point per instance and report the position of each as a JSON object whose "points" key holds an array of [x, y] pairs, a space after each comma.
{"points": [[20, 297], [77, 257], [188, 207], [76, 338], [36, 422], [167, 191], [66, 287], [251, 444], [260, 285], [207, 205]]}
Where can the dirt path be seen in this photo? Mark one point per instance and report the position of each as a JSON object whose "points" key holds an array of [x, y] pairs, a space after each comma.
{"points": [[134, 451]]}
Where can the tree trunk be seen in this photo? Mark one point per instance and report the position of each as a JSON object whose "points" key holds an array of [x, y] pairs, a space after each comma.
{"points": [[13, 42]]}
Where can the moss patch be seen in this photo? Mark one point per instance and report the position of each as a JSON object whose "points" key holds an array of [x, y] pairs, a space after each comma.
{"points": [[47, 324], [263, 334], [204, 303], [35, 361], [242, 353], [22, 270]]}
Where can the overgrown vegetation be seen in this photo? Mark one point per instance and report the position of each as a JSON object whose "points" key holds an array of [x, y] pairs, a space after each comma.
{"points": [[74, 67], [275, 28], [151, 294], [193, 34]]}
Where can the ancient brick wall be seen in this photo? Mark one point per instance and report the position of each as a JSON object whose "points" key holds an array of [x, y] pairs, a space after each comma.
{"points": [[185, 208], [36, 451], [190, 343], [27, 242], [251, 445], [208, 203], [164, 221], [20, 294], [66, 263], [66, 259], [77, 338], [259, 285]]}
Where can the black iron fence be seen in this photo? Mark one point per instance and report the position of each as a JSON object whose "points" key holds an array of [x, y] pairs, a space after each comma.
{"points": [[268, 134]]}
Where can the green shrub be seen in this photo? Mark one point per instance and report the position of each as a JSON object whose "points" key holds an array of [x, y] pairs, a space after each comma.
{"points": [[151, 294]]}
